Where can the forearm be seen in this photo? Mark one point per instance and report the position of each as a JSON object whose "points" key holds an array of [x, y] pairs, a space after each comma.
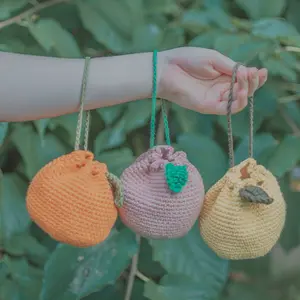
{"points": [[33, 87]]}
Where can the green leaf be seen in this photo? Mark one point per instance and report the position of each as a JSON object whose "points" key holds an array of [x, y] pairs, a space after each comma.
{"points": [[175, 287], [41, 126], [241, 47], [173, 37], [161, 6], [292, 13], [3, 271], [262, 9], [110, 292], [36, 155], [134, 120], [190, 256], [111, 137], [9, 290], [110, 114], [117, 160], [265, 101], [67, 123], [278, 67], [8, 7], [83, 271], [192, 122], [27, 279], [147, 265], [102, 30], [262, 142], [206, 39], [197, 147], [290, 237], [195, 20], [147, 37], [27, 245], [117, 13], [274, 28], [71, 23], [52, 36], [293, 111], [13, 214], [285, 156], [219, 17], [3, 131]]}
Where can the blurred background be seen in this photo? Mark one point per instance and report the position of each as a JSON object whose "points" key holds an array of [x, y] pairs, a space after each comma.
{"points": [[262, 33]]}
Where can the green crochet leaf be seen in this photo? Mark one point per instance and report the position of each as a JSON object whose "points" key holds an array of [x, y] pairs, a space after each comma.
{"points": [[176, 176]]}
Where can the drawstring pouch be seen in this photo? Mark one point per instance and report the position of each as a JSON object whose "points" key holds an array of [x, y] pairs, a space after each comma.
{"points": [[244, 212], [163, 191], [73, 198]]}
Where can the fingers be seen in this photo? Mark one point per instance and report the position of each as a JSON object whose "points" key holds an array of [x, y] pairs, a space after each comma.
{"points": [[240, 99], [250, 79], [253, 81], [221, 63], [262, 76]]}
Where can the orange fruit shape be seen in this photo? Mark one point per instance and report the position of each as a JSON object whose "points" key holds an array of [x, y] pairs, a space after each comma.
{"points": [[72, 200]]}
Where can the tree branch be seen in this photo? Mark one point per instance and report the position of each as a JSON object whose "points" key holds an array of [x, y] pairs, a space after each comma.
{"points": [[133, 271], [29, 12]]}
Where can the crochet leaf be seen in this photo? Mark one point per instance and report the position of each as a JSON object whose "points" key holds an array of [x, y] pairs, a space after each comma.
{"points": [[255, 194], [176, 177], [117, 187]]}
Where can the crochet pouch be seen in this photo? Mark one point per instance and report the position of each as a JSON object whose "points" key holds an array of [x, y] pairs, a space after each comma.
{"points": [[73, 197], [244, 212], [163, 191]]}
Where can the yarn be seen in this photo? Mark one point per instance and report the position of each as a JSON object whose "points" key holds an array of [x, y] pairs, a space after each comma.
{"points": [[150, 207], [73, 198], [163, 191], [176, 176], [236, 228], [244, 212]]}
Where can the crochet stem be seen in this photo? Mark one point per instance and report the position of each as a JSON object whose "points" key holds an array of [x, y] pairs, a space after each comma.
{"points": [[117, 187]]}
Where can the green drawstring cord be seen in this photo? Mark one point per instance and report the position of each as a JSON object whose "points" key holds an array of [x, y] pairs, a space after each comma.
{"points": [[153, 113]]}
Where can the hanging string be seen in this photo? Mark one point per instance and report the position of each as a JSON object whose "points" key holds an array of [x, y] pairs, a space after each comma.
{"points": [[166, 123], [81, 110], [251, 124], [229, 122], [153, 110]]}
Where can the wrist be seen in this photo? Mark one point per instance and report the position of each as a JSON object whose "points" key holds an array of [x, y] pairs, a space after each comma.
{"points": [[124, 78]]}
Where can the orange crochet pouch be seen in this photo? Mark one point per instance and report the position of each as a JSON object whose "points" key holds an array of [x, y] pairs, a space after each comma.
{"points": [[73, 198], [244, 212]]}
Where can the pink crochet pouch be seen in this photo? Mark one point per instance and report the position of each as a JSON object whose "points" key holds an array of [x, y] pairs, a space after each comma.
{"points": [[163, 194]]}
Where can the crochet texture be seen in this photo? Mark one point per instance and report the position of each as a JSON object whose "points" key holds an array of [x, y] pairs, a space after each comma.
{"points": [[150, 208], [71, 199], [236, 228]]}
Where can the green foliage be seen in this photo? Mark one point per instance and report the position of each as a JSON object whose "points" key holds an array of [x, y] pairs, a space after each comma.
{"points": [[258, 33]]}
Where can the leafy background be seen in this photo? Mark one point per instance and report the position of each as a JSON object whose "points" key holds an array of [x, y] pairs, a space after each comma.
{"points": [[261, 33]]}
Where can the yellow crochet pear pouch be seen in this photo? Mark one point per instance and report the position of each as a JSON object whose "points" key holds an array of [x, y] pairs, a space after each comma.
{"points": [[244, 212]]}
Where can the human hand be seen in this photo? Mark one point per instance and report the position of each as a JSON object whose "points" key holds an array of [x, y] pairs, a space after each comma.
{"points": [[199, 79]]}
